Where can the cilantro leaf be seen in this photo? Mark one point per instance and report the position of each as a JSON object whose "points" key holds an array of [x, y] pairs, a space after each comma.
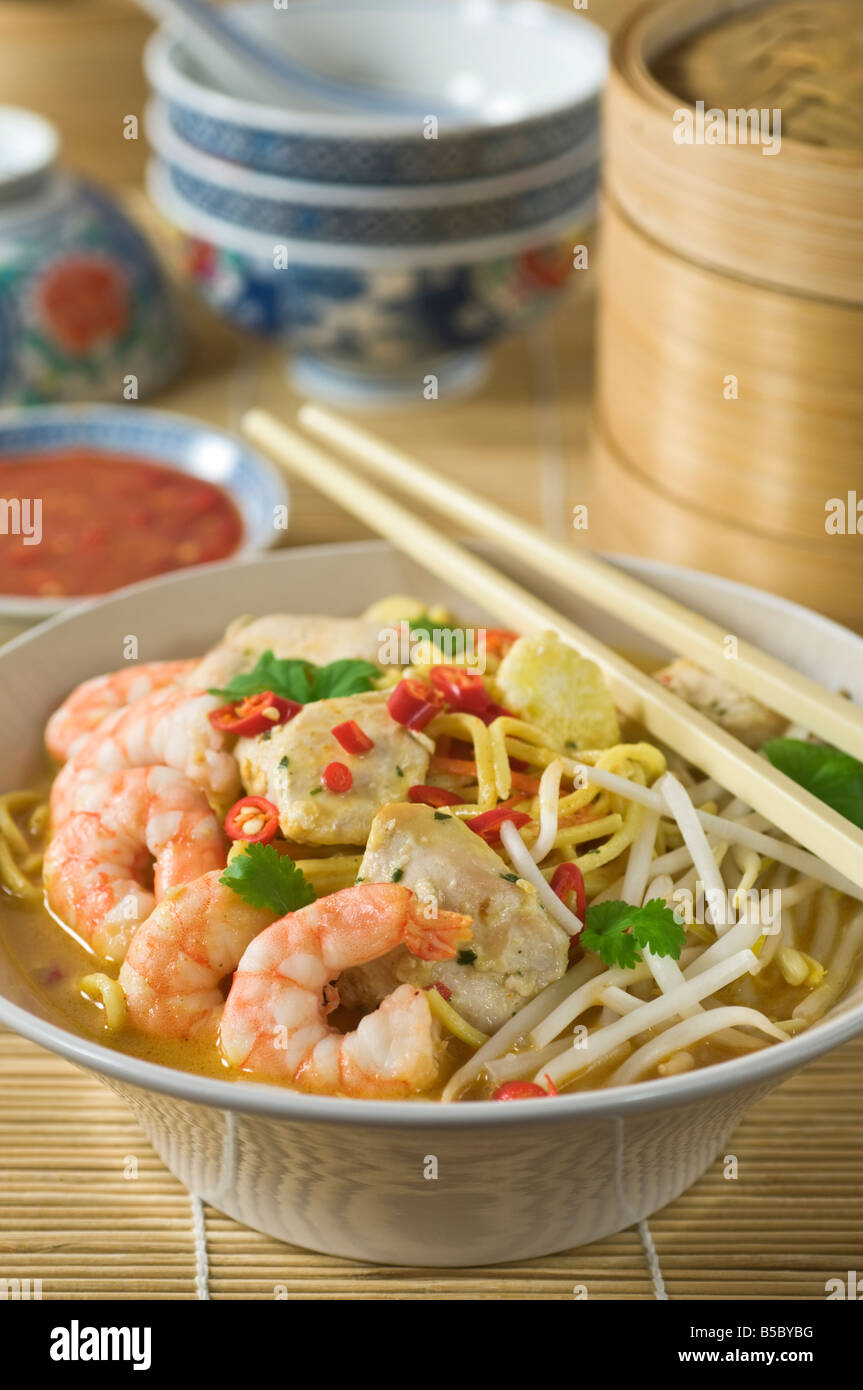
{"points": [[287, 678], [453, 639], [302, 681], [264, 878], [834, 777], [607, 934], [345, 677], [618, 932]]}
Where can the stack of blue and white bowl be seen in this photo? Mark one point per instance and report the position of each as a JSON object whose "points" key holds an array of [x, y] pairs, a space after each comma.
{"points": [[389, 247]]}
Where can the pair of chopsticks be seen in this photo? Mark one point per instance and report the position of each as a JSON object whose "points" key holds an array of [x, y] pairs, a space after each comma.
{"points": [[802, 700]]}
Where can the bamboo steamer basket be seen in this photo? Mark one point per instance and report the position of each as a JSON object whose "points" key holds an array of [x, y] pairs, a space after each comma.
{"points": [[630, 513], [672, 334], [793, 220]]}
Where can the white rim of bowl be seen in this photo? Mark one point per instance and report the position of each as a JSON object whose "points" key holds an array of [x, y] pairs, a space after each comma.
{"points": [[257, 184], [259, 246], [19, 606], [35, 144], [170, 81], [754, 1071], [36, 199]]}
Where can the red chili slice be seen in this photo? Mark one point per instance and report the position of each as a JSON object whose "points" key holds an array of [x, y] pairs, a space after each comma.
{"points": [[462, 689], [493, 711], [351, 737], [487, 825], [498, 640], [413, 703], [253, 714], [337, 777], [523, 1090], [443, 990], [253, 819], [423, 795], [566, 879]]}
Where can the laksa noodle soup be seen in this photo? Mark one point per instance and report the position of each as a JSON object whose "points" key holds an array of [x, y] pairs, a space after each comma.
{"points": [[391, 857]]}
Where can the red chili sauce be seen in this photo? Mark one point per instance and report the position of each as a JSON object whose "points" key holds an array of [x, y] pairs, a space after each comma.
{"points": [[106, 520]]}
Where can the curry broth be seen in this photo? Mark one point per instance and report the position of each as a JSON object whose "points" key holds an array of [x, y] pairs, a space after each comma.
{"points": [[54, 960]]}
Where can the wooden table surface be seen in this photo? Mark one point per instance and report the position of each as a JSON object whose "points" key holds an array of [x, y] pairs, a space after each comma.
{"points": [[70, 1214]]}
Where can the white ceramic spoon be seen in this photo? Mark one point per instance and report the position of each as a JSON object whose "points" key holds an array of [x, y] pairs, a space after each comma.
{"points": [[234, 55]]}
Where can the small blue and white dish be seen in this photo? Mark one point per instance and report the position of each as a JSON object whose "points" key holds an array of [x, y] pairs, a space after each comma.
{"points": [[371, 325], [517, 84], [343, 213], [85, 311], [255, 486]]}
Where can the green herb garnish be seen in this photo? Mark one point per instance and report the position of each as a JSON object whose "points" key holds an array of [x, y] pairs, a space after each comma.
{"points": [[443, 815], [285, 761], [465, 956], [316, 791], [301, 681], [618, 932], [834, 777], [510, 878], [264, 878], [397, 875], [452, 639]]}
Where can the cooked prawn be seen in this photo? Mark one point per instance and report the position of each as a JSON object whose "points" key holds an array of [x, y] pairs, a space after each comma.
{"points": [[274, 1021], [98, 866], [91, 702], [168, 727], [178, 958]]}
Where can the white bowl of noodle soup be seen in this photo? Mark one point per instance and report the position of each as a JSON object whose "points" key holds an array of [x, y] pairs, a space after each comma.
{"points": [[349, 1177]]}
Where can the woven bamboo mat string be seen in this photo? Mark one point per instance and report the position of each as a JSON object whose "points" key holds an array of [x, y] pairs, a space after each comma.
{"points": [[202, 1262], [652, 1262], [644, 1234]]}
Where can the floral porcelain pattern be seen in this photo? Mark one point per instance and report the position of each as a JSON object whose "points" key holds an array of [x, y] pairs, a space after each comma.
{"points": [[380, 317], [83, 303]]}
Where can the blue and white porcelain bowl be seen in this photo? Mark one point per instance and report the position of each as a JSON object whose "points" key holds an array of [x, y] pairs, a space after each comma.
{"points": [[509, 84], [85, 311], [366, 216], [255, 486], [371, 325]]}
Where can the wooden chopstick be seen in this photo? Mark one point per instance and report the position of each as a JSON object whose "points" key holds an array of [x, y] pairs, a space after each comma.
{"points": [[666, 717], [801, 699]]}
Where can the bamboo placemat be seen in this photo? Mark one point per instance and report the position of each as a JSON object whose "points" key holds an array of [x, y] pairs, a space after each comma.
{"points": [[88, 1208]]}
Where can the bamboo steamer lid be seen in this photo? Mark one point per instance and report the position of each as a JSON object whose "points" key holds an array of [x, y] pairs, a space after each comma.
{"points": [[731, 396], [629, 513], [792, 219], [804, 59]]}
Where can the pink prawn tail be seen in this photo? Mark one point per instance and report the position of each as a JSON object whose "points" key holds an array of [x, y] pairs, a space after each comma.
{"points": [[437, 936]]}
